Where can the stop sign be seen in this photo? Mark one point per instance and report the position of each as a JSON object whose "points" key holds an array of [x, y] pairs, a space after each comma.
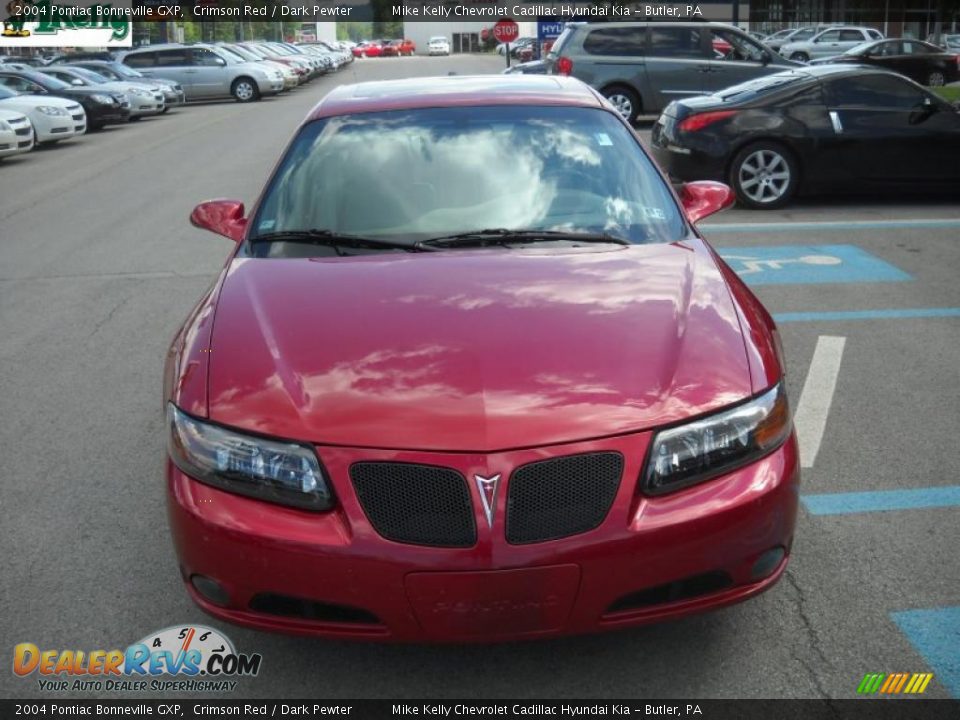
{"points": [[506, 30]]}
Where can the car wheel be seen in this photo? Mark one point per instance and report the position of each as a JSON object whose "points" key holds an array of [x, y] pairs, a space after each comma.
{"points": [[936, 79], [244, 90], [800, 57], [624, 100], [764, 175]]}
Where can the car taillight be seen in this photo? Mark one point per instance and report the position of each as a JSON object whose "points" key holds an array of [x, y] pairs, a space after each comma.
{"points": [[564, 66], [700, 121]]}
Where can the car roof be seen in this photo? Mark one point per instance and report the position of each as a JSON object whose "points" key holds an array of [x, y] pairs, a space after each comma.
{"points": [[449, 91]]}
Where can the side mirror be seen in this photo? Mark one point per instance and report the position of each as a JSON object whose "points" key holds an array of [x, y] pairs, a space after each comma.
{"points": [[703, 198], [766, 57], [224, 217]]}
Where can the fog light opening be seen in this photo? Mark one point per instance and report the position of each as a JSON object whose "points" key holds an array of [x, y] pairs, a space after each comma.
{"points": [[767, 563], [210, 589]]}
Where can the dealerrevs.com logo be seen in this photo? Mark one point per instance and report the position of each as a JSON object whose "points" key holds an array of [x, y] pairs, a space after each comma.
{"points": [[43, 23], [199, 658]]}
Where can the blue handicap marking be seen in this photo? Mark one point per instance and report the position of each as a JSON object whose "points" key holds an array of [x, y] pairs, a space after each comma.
{"points": [[935, 634], [809, 264]]}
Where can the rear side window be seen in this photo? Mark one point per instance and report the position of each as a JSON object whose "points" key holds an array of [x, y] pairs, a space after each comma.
{"points": [[145, 59], [168, 58], [615, 41], [851, 36], [882, 92], [676, 42], [875, 34]]}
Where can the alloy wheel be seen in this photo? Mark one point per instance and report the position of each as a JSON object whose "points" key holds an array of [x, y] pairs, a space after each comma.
{"points": [[936, 79], [764, 176], [622, 104], [243, 91]]}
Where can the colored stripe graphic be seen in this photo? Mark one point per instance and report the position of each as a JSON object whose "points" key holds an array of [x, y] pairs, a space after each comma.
{"points": [[937, 224], [894, 683]]}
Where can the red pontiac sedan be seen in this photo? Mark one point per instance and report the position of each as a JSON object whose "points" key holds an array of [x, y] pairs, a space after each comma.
{"points": [[471, 374]]}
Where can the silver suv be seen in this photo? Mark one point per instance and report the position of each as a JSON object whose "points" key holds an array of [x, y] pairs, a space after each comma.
{"points": [[642, 67], [206, 71], [832, 41]]}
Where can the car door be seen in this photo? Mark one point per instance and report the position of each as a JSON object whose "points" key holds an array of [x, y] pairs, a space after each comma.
{"points": [[210, 73], [889, 131], [825, 44], [677, 62], [171, 63], [745, 60]]}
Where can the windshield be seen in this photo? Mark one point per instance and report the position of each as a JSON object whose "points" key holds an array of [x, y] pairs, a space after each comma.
{"points": [[6, 92], [91, 76], [227, 54], [761, 85], [803, 34], [412, 175], [50, 83], [244, 53]]}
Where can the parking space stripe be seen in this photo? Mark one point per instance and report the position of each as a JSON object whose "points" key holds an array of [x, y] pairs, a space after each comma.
{"points": [[810, 419], [888, 314], [938, 224], [935, 635], [881, 500]]}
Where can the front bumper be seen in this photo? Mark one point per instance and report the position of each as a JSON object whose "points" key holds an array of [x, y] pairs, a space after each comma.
{"points": [[270, 86], [651, 559]]}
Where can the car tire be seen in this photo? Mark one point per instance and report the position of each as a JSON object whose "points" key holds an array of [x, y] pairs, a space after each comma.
{"points": [[244, 89], [800, 57], [936, 79], [625, 100], [764, 175]]}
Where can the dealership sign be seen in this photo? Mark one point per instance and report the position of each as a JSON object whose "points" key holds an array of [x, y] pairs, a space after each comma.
{"points": [[83, 23]]}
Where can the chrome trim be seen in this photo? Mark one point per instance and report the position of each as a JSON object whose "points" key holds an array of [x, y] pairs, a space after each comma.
{"points": [[835, 121], [488, 486]]}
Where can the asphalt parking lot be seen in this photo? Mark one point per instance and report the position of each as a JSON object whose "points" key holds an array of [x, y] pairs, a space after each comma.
{"points": [[98, 267]]}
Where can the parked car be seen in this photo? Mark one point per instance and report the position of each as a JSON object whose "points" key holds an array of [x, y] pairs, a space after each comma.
{"points": [[367, 49], [53, 118], [946, 41], [922, 62], [205, 71], [634, 460], [16, 132], [799, 34], [642, 67], [438, 45], [304, 68], [534, 67], [101, 107], [399, 48], [823, 128], [172, 91], [290, 77], [143, 100], [516, 45], [833, 41]]}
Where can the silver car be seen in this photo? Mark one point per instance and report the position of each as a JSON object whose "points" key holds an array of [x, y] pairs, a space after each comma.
{"points": [[833, 41], [144, 100], [172, 91], [642, 67], [206, 71]]}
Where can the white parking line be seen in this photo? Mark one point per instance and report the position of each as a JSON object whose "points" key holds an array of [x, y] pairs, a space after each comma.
{"points": [[810, 419]]}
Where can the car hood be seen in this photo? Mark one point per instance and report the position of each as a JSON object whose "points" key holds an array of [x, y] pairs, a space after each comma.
{"points": [[32, 102], [474, 350]]}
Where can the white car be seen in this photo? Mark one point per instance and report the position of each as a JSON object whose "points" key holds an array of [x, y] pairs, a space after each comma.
{"points": [[438, 46], [16, 133], [52, 118], [144, 100], [832, 41]]}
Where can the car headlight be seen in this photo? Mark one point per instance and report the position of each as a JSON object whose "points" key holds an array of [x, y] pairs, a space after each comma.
{"points": [[716, 444], [280, 472], [5, 126], [142, 93], [102, 99], [51, 110]]}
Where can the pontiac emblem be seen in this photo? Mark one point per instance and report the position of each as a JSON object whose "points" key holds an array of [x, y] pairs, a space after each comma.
{"points": [[488, 494]]}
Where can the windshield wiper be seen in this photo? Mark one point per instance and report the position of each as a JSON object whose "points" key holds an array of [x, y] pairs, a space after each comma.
{"points": [[503, 236], [333, 239]]}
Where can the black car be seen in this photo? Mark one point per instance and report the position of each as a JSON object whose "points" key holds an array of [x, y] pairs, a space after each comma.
{"points": [[102, 106], [822, 128], [920, 61]]}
